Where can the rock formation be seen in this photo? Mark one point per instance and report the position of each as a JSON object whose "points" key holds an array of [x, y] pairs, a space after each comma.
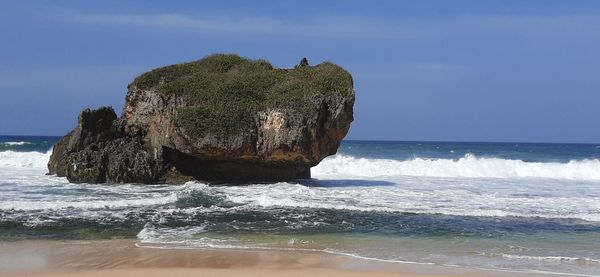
{"points": [[222, 118]]}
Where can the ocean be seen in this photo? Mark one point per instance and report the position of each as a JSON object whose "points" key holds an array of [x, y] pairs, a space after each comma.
{"points": [[515, 207]]}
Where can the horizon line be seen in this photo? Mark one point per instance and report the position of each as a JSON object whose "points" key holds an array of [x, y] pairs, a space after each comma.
{"points": [[396, 140]]}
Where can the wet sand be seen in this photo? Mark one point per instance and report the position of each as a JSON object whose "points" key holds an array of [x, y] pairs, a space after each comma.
{"points": [[124, 258]]}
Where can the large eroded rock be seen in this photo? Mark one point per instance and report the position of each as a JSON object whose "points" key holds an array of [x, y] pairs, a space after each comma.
{"points": [[222, 118]]}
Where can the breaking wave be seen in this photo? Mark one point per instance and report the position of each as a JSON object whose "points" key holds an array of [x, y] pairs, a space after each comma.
{"points": [[469, 166], [348, 167], [15, 143], [13, 159]]}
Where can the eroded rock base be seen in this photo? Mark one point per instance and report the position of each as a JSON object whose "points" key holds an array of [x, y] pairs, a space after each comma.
{"points": [[231, 172]]}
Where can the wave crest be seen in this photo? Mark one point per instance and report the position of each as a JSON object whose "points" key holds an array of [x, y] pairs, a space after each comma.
{"points": [[13, 159], [342, 166], [469, 166], [16, 143]]}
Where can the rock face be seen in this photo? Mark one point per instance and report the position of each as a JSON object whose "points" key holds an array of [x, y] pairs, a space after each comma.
{"points": [[222, 118]]}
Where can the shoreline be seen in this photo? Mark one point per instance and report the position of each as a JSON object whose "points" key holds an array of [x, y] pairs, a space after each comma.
{"points": [[122, 257]]}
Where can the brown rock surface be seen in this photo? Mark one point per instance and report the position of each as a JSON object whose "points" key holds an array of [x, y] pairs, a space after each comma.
{"points": [[222, 118]]}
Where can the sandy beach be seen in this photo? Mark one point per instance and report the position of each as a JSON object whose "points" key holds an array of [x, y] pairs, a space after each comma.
{"points": [[124, 258]]}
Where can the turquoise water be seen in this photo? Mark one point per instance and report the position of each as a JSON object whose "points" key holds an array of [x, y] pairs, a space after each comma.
{"points": [[498, 206]]}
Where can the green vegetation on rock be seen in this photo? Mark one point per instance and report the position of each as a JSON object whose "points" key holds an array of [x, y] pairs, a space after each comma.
{"points": [[223, 92]]}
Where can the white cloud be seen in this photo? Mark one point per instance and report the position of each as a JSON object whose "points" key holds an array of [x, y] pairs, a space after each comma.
{"points": [[341, 26], [179, 21]]}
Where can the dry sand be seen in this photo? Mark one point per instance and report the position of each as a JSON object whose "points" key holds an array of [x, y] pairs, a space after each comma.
{"points": [[123, 258]]}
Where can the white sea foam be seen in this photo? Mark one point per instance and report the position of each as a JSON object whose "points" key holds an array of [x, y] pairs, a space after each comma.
{"points": [[197, 237], [469, 186], [358, 256], [427, 196], [151, 234], [347, 167], [11, 143], [469, 166], [551, 258], [54, 204], [416, 186], [188, 237], [13, 159], [97, 197]]}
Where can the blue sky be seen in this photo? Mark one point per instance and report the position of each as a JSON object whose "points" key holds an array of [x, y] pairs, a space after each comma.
{"points": [[423, 70]]}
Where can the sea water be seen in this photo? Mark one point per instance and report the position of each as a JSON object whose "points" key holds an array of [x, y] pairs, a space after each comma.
{"points": [[514, 207]]}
